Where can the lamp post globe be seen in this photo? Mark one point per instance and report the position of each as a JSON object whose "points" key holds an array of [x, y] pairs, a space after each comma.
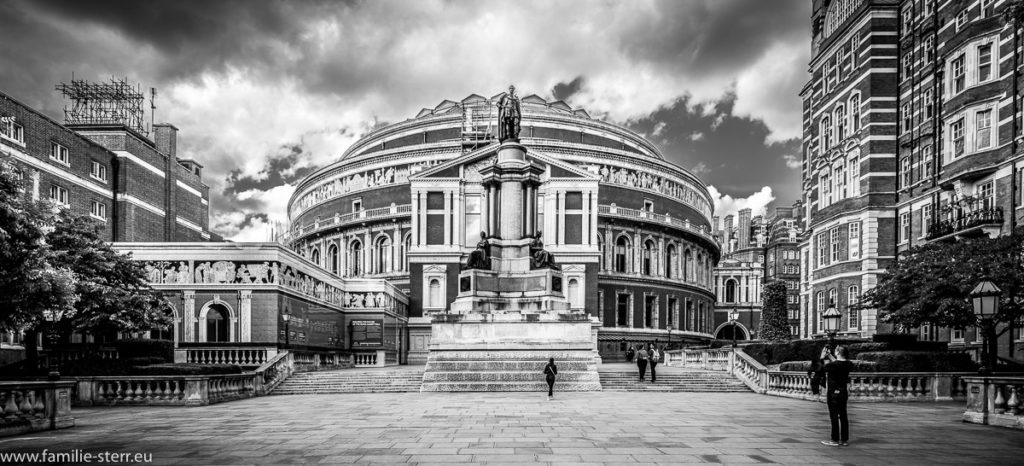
{"points": [[985, 300], [830, 320], [286, 318]]}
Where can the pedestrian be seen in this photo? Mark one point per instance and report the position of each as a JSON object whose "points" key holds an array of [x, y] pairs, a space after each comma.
{"points": [[641, 361], [550, 371], [837, 379], [630, 353], [653, 357]]}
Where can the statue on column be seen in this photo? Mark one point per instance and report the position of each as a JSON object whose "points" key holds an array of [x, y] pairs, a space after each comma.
{"points": [[509, 116], [480, 258], [539, 258]]}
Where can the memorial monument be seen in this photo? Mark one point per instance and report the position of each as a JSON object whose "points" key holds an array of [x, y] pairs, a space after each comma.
{"points": [[511, 313]]}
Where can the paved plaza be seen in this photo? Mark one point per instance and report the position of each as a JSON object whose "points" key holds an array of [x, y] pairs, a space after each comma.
{"points": [[599, 428]]}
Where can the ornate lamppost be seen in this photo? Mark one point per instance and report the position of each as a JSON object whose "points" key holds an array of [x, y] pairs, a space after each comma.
{"points": [[830, 320], [985, 299], [734, 316], [286, 318], [52, 339]]}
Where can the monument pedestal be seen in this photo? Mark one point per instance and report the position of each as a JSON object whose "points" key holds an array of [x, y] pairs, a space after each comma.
{"points": [[509, 318]]}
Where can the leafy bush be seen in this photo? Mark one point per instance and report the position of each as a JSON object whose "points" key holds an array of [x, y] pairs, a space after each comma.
{"points": [[797, 350], [804, 366], [185, 369], [129, 349], [919, 361]]}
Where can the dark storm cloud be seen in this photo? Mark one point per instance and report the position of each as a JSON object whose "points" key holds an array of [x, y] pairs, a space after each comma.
{"points": [[733, 149], [563, 91], [280, 169], [720, 35]]}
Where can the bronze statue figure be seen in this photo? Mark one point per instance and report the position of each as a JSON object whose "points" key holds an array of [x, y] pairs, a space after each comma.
{"points": [[509, 115], [541, 259], [480, 258]]}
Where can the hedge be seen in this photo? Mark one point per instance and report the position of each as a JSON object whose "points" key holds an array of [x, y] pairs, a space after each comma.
{"points": [[919, 361], [185, 369], [140, 348], [804, 366]]}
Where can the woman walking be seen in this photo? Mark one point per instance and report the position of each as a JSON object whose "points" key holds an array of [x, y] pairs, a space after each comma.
{"points": [[550, 371], [641, 361]]}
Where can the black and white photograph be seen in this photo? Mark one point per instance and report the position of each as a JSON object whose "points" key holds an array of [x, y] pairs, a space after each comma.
{"points": [[512, 232]]}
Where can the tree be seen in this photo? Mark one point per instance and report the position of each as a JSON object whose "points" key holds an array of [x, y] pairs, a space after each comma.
{"points": [[931, 284], [774, 312], [111, 290], [30, 283]]}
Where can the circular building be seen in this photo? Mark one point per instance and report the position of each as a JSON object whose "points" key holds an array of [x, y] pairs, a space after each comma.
{"points": [[631, 231]]}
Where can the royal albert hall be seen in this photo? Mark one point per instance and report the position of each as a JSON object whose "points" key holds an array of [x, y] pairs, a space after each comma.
{"points": [[629, 229]]}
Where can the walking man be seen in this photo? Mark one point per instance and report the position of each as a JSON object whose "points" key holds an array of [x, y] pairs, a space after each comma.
{"points": [[837, 379], [641, 361], [654, 356], [550, 371]]}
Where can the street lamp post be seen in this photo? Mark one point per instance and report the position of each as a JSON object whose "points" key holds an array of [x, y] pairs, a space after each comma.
{"points": [[734, 316], [52, 338], [287, 334], [830, 320], [985, 299]]}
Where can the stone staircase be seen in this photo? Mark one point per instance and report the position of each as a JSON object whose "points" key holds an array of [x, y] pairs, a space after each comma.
{"points": [[508, 371], [671, 380], [403, 379]]}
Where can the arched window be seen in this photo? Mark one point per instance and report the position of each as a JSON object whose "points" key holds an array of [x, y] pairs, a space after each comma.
{"points": [[688, 266], [852, 299], [648, 264], [314, 256], [355, 254], [622, 255], [405, 252], [382, 255], [671, 261], [730, 291], [434, 293], [217, 323], [574, 294], [332, 257]]}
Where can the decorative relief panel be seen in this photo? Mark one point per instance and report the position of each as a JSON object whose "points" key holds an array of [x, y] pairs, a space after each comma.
{"points": [[644, 180], [369, 179]]}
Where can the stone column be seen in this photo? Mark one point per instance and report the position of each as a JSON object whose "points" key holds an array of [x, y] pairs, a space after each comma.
{"points": [[659, 262], [396, 248], [367, 252], [188, 314], [492, 206], [448, 214], [343, 253], [609, 250], [561, 216], [416, 218], [244, 315], [593, 218]]}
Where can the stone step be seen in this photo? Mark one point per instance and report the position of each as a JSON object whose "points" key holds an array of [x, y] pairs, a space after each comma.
{"points": [[505, 365], [351, 381], [525, 355], [481, 376], [508, 387]]}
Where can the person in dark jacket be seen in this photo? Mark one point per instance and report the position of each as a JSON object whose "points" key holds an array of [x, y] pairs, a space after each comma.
{"points": [[550, 371], [653, 358], [641, 361], [837, 379], [630, 353], [817, 372]]}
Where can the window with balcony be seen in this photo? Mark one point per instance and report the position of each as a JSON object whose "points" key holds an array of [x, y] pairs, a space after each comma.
{"points": [[986, 195]]}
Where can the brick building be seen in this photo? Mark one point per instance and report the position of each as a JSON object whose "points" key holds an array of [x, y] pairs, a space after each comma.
{"points": [[924, 96], [136, 186]]}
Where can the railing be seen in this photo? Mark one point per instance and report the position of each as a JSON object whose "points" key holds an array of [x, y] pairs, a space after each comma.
{"points": [[187, 390], [966, 221], [864, 386], [34, 406], [67, 354], [273, 372], [369, 359], [636, 214], [306, 361], [997, 401], [353, 217], [238, 356]]}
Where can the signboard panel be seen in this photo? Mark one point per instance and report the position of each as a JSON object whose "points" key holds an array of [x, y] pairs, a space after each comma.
{"points": [[367, 333]]}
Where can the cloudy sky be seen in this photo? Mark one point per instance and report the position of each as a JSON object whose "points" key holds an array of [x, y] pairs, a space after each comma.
{"points": [[265, 92]]}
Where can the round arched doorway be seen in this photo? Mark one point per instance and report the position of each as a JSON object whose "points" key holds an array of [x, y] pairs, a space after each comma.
{"points": [[726, 332], [217, 323]]}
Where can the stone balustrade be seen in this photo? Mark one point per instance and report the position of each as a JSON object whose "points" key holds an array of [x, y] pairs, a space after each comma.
{"points": [[32, 406], [995, 401], [76, 353], [273, 372], [305, 361], [240, 356], [374, 359], [173, 390], [864, 386]]}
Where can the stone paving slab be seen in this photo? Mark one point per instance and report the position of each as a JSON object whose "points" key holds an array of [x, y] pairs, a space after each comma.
{"points": [[506, 428]]}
